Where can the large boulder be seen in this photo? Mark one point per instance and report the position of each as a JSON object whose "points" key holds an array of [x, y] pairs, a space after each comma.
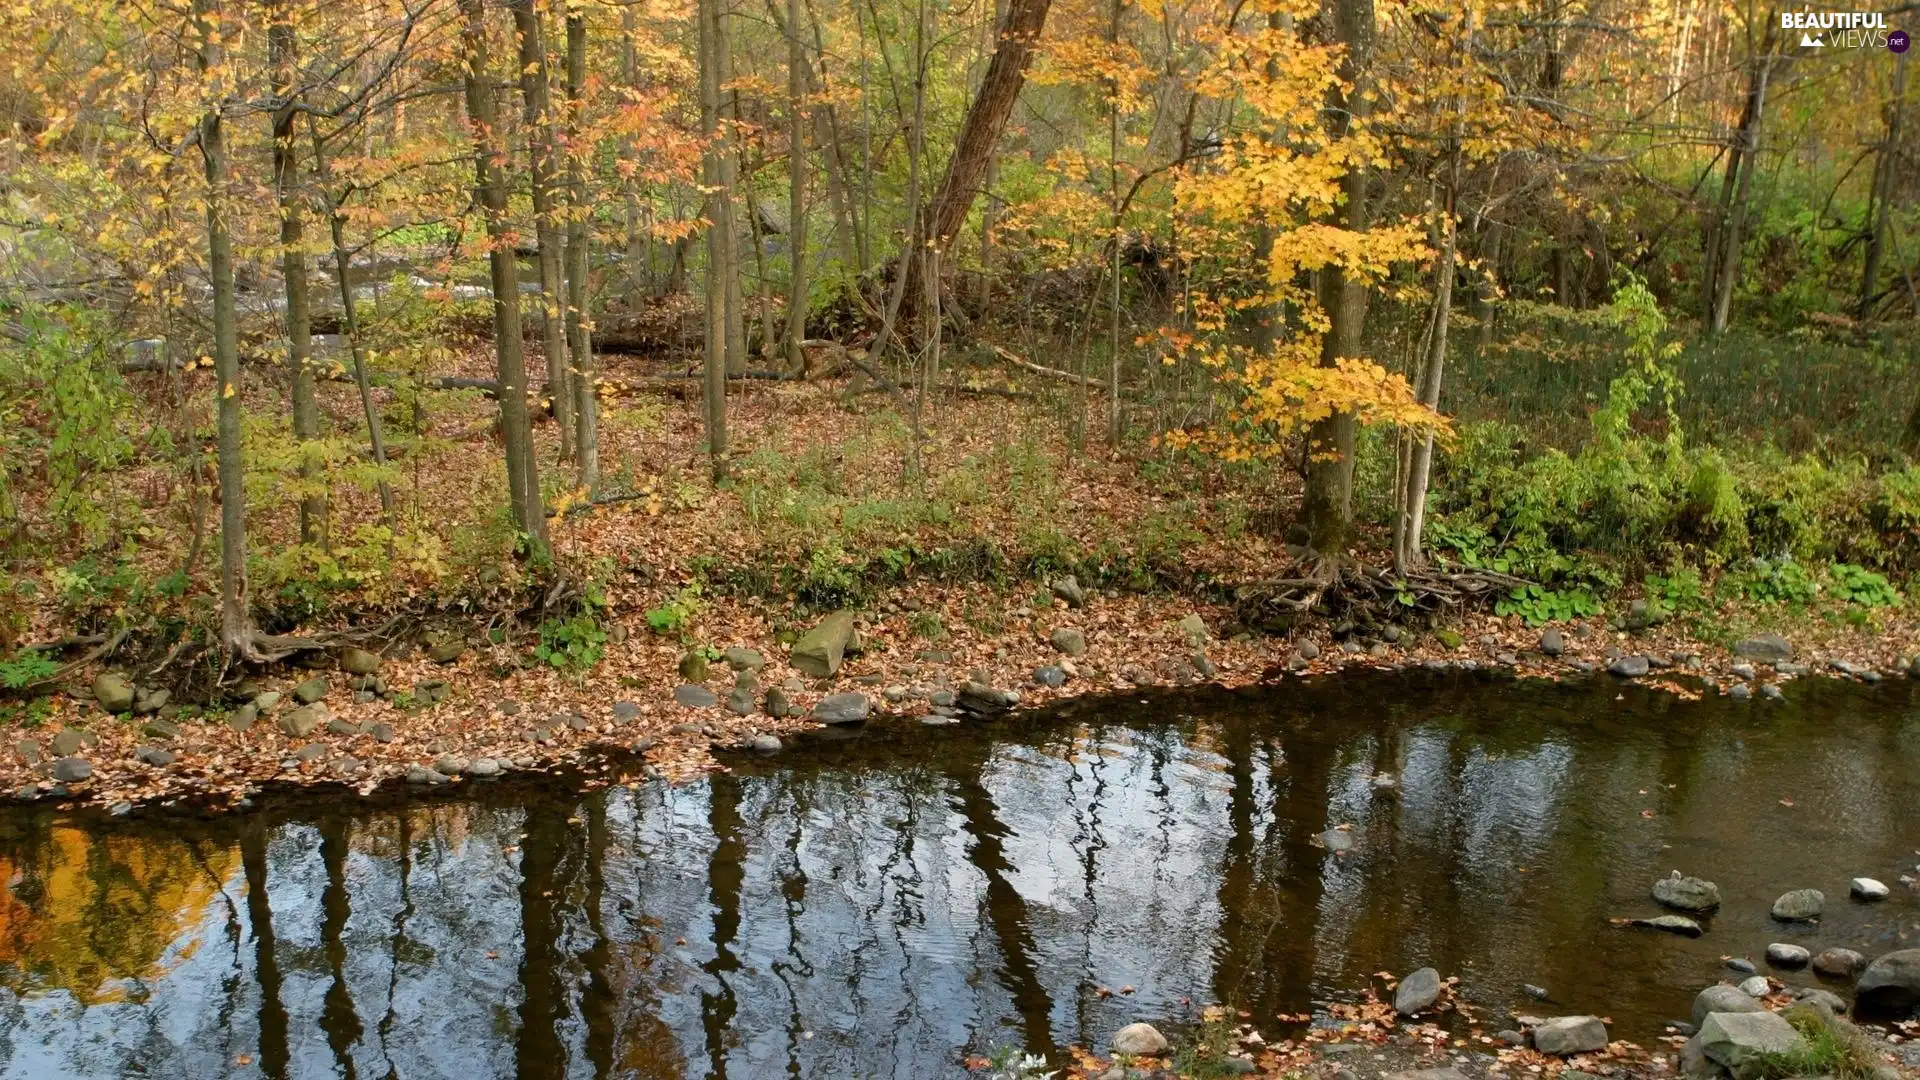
{"points": [[113, 691], [1741, 1042], [819, 651], [1139, 1040], [1687, 893], [1564, 1035], [1891, 983], [1722, 998], [1767, 648], [1416, 992]]}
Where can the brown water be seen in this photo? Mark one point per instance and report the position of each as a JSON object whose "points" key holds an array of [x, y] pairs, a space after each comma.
{"points": [[885, 904]]}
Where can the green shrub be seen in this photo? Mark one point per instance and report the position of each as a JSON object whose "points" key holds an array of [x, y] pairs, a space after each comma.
{"points": [[572, 644], [1862, 587]]}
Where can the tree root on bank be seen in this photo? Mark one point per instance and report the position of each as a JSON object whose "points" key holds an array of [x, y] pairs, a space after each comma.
{"points": [[1365, 594]]}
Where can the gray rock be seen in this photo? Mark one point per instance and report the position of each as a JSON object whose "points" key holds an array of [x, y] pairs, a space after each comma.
{"points": [[1839, 963], [1741, 965], [1418, 991], [68, 742], [148, 702], [1564, 1035], [1694, 1061], [1722, 998], [1307, 650], [160, 729], [1552, 643], [741, 658], [1782, 954], [1537, 993], [447, 652], [1052, 675], [980, 698], [420, 774], [1336, 841], [1800, 905], [359, 662], [507, 707], [30, 751], [1741, 1041], [740, 702], [155, 756], [1757, 987], [942, 698], [113, 691], [71, 770], [242, 718], [1742, 670], [1772, 692], [694, 666], [1866, 888], [1630, 667], [381, 731], [819, 651], [303, 721], [1193, 630], [625, 712], [1066, 588], [848, 708], [1766, 648], [1740, 692], [1672, 924], [1825, 999], [338, 726], [1070, 641], [311, 691], [450, 764], [1139, 1040], [1687, 893], [1442, 1073], [267, 700], [1892, 982], [310, 751], [777, 704], [695, 697], [765, 744], [484, 767]]}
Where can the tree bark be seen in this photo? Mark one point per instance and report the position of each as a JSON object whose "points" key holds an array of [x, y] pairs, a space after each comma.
{"points": [[536, 95], [283, 54], [1880, 203], [580, 377], [796, 191], [1741, 164], [1411, 523], [490, 192], [712, 176], [736, 304], [1326, 510]]}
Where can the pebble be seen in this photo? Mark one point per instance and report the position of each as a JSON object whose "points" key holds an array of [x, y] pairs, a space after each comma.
{"points": [[695, 697], [154, 756], [1781, 954], [1744, 967], [625, 712], [1744, 671]]}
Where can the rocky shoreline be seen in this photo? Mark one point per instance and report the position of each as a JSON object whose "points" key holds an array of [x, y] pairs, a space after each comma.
{"points": [[461, 707]]}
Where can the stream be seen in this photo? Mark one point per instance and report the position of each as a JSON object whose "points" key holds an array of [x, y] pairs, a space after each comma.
{"points": [[883, 903]]}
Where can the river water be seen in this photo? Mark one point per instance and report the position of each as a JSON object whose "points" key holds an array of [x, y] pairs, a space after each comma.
{"points": [[884, 904]]}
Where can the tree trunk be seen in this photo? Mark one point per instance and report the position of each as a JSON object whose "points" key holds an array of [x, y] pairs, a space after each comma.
{"points": [[536, 94], [580, 377], [1326, 510], [1113, 197], [1880, 203], [796, 191], [711, 175], [490, 191], [283, 52], [736, 304], [1412, 518], [1741, 164], [639, 262]]}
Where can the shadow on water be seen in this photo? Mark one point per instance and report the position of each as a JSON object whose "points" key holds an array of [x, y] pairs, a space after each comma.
{"points": [[885, 902]]}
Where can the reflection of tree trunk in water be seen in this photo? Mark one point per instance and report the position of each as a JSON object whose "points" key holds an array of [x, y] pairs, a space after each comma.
{"points": [[726, 873], [1087, 829], [1236, 869], [266, 969], [537, 1050], [1006, 908], [598, 1002], [1279, 978], [793, 893], [404, 844], [337, 1016]]}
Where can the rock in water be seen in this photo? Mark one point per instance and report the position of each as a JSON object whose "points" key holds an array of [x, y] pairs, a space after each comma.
{"points": [[765, 744], [420, 774], [819, 651], [849, 708], [1687, 893], [1866, 888], [1800, 905], [1336, 841], [1418, 991], [978, 697], [113, 691], [1781, 954], [1722, 998], [1672, 924], [1740, 1041], [1564, 1035], [1892, 982], [1767, 648], [1139, 1040], [1839, 963], [1630, 667]]}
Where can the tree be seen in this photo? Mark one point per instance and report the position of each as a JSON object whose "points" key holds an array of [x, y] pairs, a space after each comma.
{"points": [[581, 377], [283, 50], [719, 233], [536, 95]]}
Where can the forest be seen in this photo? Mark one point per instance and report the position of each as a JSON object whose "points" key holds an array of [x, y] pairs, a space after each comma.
{"points": [[603, 336]]}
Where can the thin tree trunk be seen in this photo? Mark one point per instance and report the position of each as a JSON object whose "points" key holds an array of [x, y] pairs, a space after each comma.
{"points": [[736, 305], [536, 94], [1741, 165], [639, 262], [523, 477], [796, 191], [283, 56], [711, 178], [580, 377], [1883, 189], [1113, 197], [1412, 519]]}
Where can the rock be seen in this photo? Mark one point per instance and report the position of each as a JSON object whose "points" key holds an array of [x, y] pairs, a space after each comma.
{"points": [[1694, 1060], [431, 691], [695, 697], [1630, 667], [741, 658], [1336, 841], [242, 718], [1722, 998], [1866, 888], [765, 744], [1757, 987], [687, 729], [1826, 999], [1510, 1037], [848, 708], [1687, 893], [113, 691], [1741, 965], [1552, 643], [1741, 1041], [1307, 650], [1537, 993], [154, 756], [301, 722], [1564, 1035], [338, 726], [267, 701], [1507, 659], [484, 768], [1800, 905], [1781, 954], [1066, 588], [945, 698], [359, 662], [420, 774], [160, 729], [777, 704], [1139, 1040], [1740, 692], [1193, 630], [148, 702], [447, 652], [1053, 676], [1443, 1073], [980, 698], [1351, 647], [71, 770], [310, 752], [1672, 924], [1892, 982], [694, 667], [819, 651], [450, 764], [1418, 991], [68, 741], [740, 702], [1766, 648], [371, 685], [382, 732], [1839, 963], [29, 751], [625, 712], [1070, 641], [1772, 692], [311, 691]]}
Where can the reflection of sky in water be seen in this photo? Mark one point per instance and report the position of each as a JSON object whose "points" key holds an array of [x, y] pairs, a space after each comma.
{"points": [[888, 915]]}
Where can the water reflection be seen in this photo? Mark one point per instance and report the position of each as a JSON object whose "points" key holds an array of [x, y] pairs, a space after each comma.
{"points": [[885, 905]]}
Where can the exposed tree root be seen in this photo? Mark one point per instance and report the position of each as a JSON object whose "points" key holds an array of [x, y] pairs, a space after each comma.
{"points": [[1364, 594]]}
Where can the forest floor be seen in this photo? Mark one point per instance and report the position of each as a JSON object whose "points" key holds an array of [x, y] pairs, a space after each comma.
{"points": [[818, 513]]}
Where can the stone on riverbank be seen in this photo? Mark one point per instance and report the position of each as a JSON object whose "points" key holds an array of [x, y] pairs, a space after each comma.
{"points": [[694, 697], [1687, 893], [1565, 1035], [303, 721], [848, 708], [1741, 1041], [1866, 888], [150, 701], [1892, 982], [447, 652], [1070, 641], [1723, 999], [1068, 589], [113, 691], [420, 774], [1552, 644], [359, 662], [71, 770], [765, 744], [1756, 987], [976, 697], [1139, 1040], [1800, 905], [311, 691], [819, 651], [1418, 991], [1766, 648], [1630, 667]]}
